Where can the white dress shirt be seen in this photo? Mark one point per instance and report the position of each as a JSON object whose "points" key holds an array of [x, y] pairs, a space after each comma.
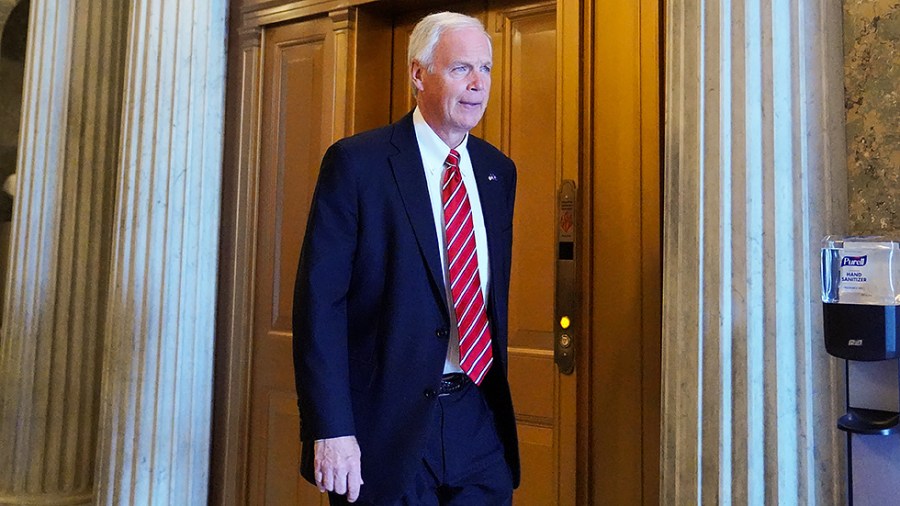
{"points": [[434, 152]]}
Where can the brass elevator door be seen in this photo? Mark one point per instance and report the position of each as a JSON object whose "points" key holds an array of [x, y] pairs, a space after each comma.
{"points": [[521, 120], [298, 104]]}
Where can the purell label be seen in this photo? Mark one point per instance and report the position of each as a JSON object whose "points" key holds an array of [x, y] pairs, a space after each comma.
{"points": [[866, 275], [853, 261]]}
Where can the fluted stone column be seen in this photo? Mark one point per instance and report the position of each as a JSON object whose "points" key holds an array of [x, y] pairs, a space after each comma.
{"points": [[62, 225], [755, 176], [157, 374]]}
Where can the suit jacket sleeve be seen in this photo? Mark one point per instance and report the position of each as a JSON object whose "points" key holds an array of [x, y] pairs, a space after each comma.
{"points": [[320, 302]]}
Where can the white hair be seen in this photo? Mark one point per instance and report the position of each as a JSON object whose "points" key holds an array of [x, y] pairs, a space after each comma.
{"points": [[427, 33]]}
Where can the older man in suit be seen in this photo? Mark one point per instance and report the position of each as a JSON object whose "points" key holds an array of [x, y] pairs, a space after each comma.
{"points": [[400, 307]]}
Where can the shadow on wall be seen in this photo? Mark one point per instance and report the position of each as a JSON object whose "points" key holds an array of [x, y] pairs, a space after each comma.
{"points": [[13, 36]]}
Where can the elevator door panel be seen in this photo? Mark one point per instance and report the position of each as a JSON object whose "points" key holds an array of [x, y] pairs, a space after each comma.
{"points": [[521, 120], [297, 107]]}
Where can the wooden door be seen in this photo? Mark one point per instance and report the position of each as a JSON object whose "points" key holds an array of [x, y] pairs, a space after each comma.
{"points": [[523, 121], [575, 96], [300, 88], [319, 83], [296, 128]]}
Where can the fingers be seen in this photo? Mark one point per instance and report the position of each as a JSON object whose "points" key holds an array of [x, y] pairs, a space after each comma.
{"points": [[337, 466], [354, 483], [320, 479], [328, 481], [340, 481]]}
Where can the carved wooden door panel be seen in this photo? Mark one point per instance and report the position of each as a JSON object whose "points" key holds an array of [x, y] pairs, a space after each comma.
{"points": [[297, 107]]}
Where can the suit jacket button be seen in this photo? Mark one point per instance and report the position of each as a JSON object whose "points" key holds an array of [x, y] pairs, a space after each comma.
{"points": [[442, 333], [430, 394]]}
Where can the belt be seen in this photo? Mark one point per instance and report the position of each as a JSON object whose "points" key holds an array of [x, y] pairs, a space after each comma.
{"points": [[454, 382]]}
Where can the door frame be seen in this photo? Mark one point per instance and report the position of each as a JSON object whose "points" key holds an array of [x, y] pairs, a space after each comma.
{"points": [[613, 133], [623, 139]]}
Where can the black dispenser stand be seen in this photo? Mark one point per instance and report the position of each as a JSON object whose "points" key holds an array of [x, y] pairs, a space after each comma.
{"points": [[863, 333], [868, 421], [863, 421], [849, 434], [861, 318]]}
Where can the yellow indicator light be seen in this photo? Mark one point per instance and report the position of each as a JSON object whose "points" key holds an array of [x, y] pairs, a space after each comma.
{"points": [[564, 322]]}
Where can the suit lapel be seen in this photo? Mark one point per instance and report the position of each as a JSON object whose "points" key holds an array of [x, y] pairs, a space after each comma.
{"points": [[492, 198], [410, 177]]}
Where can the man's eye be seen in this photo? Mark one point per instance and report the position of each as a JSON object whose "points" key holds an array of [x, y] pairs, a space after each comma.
{"points": [[486, 69], [459, 69]]}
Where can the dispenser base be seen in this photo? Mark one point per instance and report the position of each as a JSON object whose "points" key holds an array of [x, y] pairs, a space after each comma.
{"points": [[870, 421]]}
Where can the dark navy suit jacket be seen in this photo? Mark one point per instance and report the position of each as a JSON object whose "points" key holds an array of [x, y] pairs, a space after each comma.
{"points": [[370, 322]]}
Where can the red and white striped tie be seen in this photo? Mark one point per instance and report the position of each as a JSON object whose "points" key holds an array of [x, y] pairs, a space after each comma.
{"points": [[475, 355]]}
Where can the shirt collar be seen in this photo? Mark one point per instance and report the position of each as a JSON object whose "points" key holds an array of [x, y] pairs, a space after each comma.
{"points": [[434, 150]]}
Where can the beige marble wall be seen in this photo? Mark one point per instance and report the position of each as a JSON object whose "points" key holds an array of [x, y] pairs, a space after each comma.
{"points": [[872, 102], [872, 88]]}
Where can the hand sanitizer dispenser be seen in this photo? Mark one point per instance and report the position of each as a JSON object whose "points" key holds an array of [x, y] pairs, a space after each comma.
{"points": [[861, 296]]}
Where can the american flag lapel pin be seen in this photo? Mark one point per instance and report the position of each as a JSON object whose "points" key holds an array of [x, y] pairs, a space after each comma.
{"points": [[492, 177]]}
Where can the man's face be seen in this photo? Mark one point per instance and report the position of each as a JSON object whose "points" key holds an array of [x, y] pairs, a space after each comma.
{"points": [[453, 95]]}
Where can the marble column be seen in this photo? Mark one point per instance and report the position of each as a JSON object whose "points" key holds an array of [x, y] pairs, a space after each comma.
{"points": [[53, 317], [158, 362], [755, 177]]}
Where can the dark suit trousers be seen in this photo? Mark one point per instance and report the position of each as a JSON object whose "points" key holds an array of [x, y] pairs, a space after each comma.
{"points": [[463, 462]]}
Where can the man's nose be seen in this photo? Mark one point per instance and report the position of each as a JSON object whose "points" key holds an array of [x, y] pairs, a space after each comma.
{"points": [[477, 82]]}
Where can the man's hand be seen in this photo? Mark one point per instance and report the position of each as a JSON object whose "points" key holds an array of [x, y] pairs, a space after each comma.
{"points": [[337, 467]]}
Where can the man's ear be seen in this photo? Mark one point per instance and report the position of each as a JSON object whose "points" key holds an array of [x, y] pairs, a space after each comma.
{"points": [[416, 72]]}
